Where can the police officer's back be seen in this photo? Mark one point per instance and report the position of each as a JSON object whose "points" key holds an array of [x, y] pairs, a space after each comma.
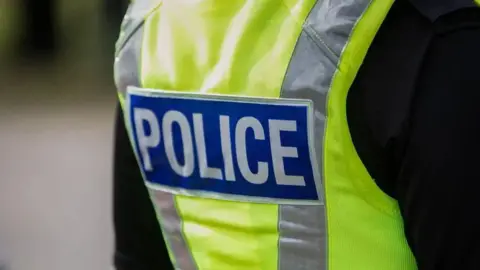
{"points": [[411, 112]]}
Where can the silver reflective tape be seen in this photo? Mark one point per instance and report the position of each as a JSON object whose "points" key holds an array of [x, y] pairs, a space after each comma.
{"points": [[139, 8], [127, 62], [172, 228], [133, 19], [302, 237], [303, 240]]}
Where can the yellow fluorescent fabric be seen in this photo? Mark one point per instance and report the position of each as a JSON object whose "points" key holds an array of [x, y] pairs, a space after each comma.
{"points": [[230, 235], [236, 47], [351, 246]]}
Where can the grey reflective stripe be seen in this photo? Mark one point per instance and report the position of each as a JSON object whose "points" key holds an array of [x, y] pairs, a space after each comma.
{"points": [[128, 47], [133, 19], [303, 240], [126, 68], [171, 223], [302, 237]]}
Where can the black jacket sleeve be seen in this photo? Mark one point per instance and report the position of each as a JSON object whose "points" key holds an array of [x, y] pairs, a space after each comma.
{"points": [[414, 117], [438, 181], [139, 243]]}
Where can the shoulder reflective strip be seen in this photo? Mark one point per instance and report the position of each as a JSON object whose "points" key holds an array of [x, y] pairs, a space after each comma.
{"points": [[126, 69], [134, 18], [126, 66], [171, 223], [303, 232]]}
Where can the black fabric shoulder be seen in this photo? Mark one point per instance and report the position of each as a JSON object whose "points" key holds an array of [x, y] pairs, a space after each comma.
{"points": [[434, 9], [378, 103], [437, 186], [466, 18]]}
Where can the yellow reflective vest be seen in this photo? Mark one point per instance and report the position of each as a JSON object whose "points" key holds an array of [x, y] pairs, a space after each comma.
{"points": [[282, 49]]}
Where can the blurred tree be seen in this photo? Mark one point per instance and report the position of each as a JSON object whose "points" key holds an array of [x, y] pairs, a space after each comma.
{"points": [[39, 35]]}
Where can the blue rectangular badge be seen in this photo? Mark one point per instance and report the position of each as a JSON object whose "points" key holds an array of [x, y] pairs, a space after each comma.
{"points": [[225, 147]]}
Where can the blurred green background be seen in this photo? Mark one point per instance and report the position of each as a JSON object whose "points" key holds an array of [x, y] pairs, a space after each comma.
{"points": [[56, 120]]}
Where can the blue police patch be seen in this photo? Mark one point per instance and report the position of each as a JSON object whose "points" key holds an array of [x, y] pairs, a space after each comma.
{"points": [[234, 148]]}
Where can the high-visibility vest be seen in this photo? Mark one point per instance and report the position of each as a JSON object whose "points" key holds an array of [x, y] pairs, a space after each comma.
{"points": [[293, 50]]}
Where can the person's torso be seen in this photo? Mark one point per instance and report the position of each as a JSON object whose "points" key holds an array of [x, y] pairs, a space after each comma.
{"points": [[243, 138]]}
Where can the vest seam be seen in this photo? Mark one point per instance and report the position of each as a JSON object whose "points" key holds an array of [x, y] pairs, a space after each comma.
{"points": [[315, 37], [126, 39], [304, 24]]}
